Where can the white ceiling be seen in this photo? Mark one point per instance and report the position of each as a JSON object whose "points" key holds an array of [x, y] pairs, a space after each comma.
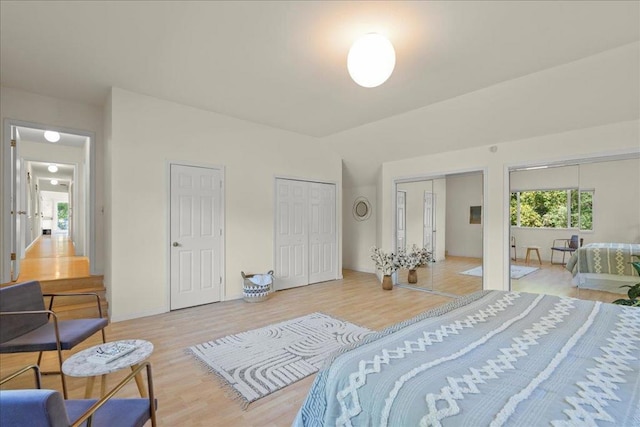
{"points": [[283, 63]]}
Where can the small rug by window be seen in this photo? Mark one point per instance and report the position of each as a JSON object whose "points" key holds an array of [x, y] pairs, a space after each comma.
{"points": [[258, 362], [517, 271]]}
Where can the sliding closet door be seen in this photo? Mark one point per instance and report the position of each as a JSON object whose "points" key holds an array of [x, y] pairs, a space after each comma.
{"points": [[292, 233], [322, 233]]}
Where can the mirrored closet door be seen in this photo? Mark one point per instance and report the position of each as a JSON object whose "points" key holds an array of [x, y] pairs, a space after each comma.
{"points": [[582, 220], [442, 217]]}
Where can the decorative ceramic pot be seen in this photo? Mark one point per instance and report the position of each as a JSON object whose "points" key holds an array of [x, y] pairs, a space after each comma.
{"points": [[387, 283], [413, 276]]}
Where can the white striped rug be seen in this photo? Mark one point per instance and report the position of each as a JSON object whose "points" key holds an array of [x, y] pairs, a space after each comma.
{"points": [[260, 361]]}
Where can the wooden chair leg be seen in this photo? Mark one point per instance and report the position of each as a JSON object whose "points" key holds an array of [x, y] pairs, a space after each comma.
{"points": [[139, 382], [88, 390]]}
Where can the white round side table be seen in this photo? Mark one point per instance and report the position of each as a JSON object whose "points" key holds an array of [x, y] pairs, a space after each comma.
{"points": [[79, 365]]}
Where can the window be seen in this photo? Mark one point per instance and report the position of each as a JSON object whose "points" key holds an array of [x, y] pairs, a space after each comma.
{"points": [[569, 208], [63, 215]]}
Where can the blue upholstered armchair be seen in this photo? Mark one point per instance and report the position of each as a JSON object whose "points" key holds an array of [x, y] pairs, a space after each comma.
{"points": [[25, 325], [566, 246], [47, 408]]}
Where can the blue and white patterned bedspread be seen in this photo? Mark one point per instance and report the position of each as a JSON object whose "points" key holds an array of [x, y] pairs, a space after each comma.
{"points": [[497, 359]]}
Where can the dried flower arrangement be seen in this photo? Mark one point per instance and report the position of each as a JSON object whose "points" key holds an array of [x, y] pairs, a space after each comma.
{"points": [[387, 263], [414, 257]]}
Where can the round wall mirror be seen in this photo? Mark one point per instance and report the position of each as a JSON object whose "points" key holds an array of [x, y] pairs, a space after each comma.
{"points": [[361, 209]]}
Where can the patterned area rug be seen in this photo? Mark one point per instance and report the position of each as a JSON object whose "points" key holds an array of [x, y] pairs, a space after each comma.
{"points": [[258, 362], [517, 271]]}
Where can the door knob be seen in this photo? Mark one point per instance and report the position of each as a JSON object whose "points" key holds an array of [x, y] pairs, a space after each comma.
{"points": [[176, 244]]}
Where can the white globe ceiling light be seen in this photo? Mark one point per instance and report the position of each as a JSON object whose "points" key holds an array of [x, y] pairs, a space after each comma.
{"points": [[52, 168], [371, 60], [51, 136], [54, 182]]}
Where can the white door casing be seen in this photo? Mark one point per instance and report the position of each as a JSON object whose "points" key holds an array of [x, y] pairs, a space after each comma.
{"points": [[429, 222], [401, 219], [322, 232], [85, 218], [292, 233], [196, 235], [16, 212]]}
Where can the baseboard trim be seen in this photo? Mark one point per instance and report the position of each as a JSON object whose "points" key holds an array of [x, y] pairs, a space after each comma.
{"points": [[361, 269], [130, 316]]}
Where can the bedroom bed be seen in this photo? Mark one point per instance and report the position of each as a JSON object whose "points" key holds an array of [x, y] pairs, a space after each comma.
{"points": [[488, 359], [604, 266]]}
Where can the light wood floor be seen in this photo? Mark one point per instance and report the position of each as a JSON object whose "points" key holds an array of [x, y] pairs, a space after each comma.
{"points": [[444, 276], [52, 257], [188, 395]]}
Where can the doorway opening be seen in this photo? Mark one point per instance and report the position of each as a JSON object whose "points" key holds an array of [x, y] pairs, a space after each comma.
{"points": [[49, 191], [573, 227]]}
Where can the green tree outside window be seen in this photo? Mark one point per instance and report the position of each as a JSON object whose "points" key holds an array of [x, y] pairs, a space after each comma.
{"points": [[552, 209]]}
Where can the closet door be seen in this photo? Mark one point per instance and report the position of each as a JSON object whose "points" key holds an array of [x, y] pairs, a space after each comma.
{"points": [[292, 233], [322, 232]]}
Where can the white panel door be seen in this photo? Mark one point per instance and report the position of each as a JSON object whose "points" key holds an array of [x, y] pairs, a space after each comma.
{"points": [[322, 232], [196, 235], [429, 232], [401, 219], [292, 233]]}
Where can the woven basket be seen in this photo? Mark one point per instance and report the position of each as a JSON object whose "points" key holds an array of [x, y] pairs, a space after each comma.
{"points": [[256, 293]]}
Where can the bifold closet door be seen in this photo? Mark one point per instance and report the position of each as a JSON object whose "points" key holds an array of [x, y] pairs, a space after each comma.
{"points": [[292, 233], [322, 232], [306, 249]]}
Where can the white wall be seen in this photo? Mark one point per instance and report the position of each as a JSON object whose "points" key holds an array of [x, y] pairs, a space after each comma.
{"points": [[358, 234], [616, 205], [616, 200], [25, 106], [583, 143], [148, 133], [559, 177], [463, 239]]}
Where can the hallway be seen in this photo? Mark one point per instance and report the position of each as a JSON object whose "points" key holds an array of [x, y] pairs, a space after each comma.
{"points": [[52, 257]]}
